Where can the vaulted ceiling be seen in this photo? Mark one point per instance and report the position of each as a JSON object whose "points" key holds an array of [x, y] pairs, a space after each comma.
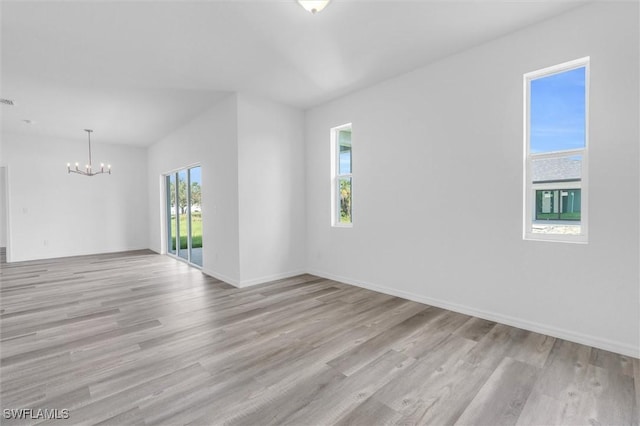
{"points": [[135, 70]]}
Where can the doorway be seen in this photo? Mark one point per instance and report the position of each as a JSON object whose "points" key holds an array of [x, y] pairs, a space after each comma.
{"points": [[184, 214]]}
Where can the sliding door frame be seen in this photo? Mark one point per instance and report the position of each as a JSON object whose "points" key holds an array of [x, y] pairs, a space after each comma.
{"points": [[167, 209]]}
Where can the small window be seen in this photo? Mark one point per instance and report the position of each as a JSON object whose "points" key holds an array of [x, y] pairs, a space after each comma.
{"points": [[556, 135], [342, 176]]}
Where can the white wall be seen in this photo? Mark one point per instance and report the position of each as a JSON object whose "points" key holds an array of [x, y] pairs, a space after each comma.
{"points": [[251, 153], [3, 207], [209, 140], [438, 186], [271, 190], [3, 199], [56, 214]]}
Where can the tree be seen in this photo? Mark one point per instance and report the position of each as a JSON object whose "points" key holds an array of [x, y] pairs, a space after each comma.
{"points": [[196, 194], [345, 200], [172, 193], [182, 196]]}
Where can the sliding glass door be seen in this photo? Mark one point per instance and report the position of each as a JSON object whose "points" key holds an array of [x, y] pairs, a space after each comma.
{"points": [[171, 213], [195, 212], [184, 214]]}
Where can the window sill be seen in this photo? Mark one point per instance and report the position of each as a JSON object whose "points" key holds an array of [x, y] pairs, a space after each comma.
{"points": [[342, 225], [556, 238]]}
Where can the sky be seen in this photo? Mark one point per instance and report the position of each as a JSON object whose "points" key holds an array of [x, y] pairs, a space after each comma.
{"points": [[345, 162], [196, 174], [558, 111], [345, 154]]}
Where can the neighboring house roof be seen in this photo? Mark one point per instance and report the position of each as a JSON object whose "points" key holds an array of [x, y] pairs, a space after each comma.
{"points": [[556, 169]]}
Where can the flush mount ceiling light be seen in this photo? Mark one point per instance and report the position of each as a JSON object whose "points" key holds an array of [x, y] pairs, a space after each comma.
{"points": [[314, 6], [88, 170]]}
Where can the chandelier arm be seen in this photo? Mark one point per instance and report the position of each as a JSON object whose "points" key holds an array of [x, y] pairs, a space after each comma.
{"points": [[84, 173]]}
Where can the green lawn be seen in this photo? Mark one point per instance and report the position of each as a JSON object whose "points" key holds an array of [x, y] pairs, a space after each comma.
{"points": [[196, 223]]}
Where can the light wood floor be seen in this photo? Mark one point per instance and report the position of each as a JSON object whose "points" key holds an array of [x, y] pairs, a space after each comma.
{"points": [[138, 338]]}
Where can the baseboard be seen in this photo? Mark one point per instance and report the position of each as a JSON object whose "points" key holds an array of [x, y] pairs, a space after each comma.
{"points": [[254, 281], [267, 278], [221, 277], [72, 254], [584, 339]]}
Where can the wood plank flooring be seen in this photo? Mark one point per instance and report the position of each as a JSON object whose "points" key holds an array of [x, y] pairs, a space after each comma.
{"points": [[137, 338]]}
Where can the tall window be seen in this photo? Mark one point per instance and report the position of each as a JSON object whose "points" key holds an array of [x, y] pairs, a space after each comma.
{"points": [[342, 181], [556, 136]]}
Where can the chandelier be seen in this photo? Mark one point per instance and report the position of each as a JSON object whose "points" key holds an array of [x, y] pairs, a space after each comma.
{"points": [[88, 168]]}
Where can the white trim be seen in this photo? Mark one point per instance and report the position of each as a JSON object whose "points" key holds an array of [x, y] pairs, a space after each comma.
{"points": [[176, 170], [164, 243], [253, 281], [74, 254], [556, 154], [584, 193], [526, 201], [528, 187], [7, 213], [221, 277], [268, 278], [557, 185], [556, 238], [335, 176], [560, 333], [559, 68]]}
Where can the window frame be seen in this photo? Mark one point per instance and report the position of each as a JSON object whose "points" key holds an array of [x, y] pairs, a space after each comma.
{"points": [[336, 176], [529, 187]]}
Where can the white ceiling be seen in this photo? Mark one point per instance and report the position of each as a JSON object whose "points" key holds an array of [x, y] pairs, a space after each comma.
{"points": [[135, 70]]}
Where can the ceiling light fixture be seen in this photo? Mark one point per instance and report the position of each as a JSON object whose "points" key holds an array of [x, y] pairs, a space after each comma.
{"points": [[314, 6], [88, 168]]}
